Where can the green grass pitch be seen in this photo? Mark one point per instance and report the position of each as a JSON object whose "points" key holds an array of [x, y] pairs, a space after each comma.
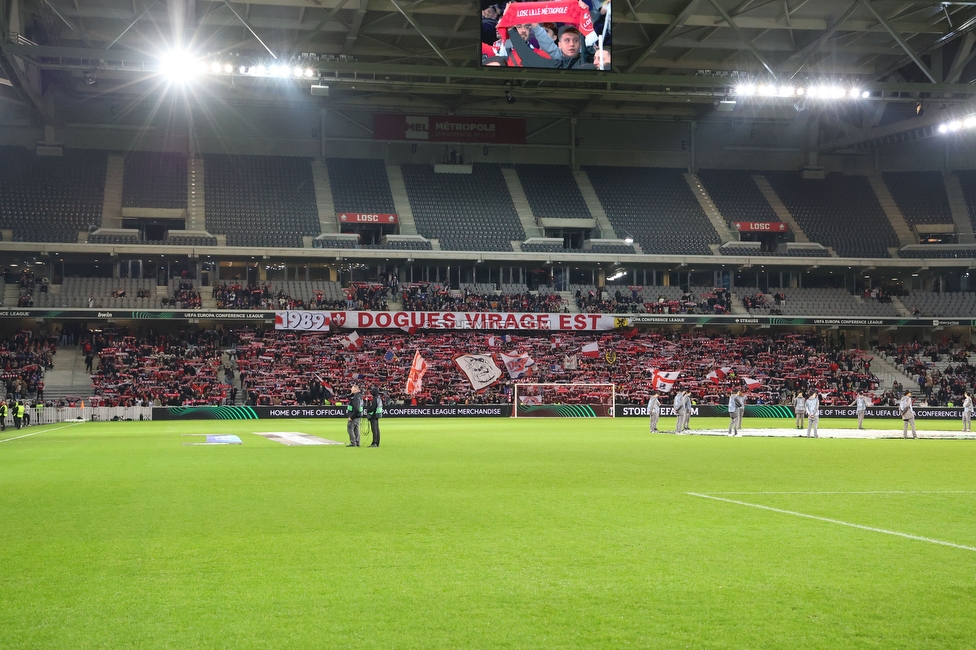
{"points": [[483, 534]]}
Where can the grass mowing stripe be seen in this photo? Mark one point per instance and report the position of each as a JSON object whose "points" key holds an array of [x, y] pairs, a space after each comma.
{"points": [[836, 521], [28, 435]]}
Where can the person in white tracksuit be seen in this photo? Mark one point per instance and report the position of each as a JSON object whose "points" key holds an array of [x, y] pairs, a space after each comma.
{"points": [[654, 410], [680, 410], [734, 413], [862, 406], [813, 413], [799, 408], [907, 414], [967, 412]]}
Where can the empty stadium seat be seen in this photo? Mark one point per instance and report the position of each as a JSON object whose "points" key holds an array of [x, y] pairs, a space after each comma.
{"points": [[464, 211], [154, 179], [360, 185], [552, 192], [840, 211], [50, 198], [656, 206], [264, 201], [736, 195]]}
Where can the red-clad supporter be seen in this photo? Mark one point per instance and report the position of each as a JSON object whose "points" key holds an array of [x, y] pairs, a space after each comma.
{"points": [[24, 358], [432, 297], [285, 367], [160, 370]]}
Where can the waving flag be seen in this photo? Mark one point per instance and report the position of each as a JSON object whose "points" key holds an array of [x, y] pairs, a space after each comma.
{"points": [[719, 374], [480, 369], [590, 350], [351, 341], [389, 356], [663, 381], [418, 369], [570, 362], [752, 384], [517, 365]]}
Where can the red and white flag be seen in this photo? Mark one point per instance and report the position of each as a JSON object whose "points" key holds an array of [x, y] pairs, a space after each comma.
{"points": [[415, 379], [409, 329], [517, 365], [663, 381], [351, 341], [590, 350], [752, 384], [719, 374]]}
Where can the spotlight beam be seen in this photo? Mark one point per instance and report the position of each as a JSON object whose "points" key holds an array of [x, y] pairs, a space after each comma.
{"points": [[250, 29]]}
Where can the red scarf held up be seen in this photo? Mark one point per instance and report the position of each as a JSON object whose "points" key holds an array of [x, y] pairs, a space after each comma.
{"points": [[561, 11]]}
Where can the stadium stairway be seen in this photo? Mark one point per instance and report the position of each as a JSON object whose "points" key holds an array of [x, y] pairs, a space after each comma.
{"points": [[900, 306], [399, 191], [960, 211], [888, 373], [68, 376], [323, 198], [892, 211], [196, 214], [719, 223], [779, 207], [11, 294], [594, 206], [527, 218], [112, 198]]}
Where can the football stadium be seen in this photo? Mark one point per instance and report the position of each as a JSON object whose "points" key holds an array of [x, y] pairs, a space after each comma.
{"points": [[541, 324]]}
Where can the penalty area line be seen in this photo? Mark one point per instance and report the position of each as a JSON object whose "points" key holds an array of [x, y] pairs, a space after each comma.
{"points": [[872, 529], [28, 435]]}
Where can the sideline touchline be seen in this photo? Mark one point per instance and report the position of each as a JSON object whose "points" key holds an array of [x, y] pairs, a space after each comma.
{"points": [[28, 435]]}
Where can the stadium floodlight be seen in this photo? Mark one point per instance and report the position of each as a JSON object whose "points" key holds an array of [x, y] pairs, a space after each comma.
{"points": [[296, 72], [866, 94], [215, 67], [309, 72], [745, 90], [179, 66], [228, 68]]}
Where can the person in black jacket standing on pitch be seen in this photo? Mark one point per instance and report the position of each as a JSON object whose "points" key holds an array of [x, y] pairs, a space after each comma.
{"points": [[374, 411], [355, 412]]}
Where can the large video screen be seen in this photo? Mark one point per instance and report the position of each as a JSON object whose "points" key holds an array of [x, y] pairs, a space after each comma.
{"points": [[561, 34]]}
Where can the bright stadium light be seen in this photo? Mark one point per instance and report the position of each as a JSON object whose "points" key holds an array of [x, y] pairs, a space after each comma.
{"points": [[179, 66], [309, 72]]}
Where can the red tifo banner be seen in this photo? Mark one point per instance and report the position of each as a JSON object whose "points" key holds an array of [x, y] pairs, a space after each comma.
{"points": [[459, 320], [761, 226], [362, 217], [449, 128]]}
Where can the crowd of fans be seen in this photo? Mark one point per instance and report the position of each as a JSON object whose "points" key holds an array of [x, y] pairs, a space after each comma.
{"points": [[185, 296], [24, 357], [280, 367], [942, 370], [429, 297], [716, 301], [157, 369]]}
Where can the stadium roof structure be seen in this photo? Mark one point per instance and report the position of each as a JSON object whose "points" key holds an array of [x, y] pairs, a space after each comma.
{"points": [[671, 58]]}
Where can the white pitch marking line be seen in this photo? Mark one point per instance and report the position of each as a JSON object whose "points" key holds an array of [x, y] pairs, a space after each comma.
{"points": [[836, 521], [860, 492], [28, 435]]}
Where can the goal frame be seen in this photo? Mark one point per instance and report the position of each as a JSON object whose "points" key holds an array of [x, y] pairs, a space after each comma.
{"points": [[519, 387]]}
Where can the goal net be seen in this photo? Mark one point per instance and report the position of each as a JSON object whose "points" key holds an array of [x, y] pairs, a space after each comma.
{"points": [[565, 400]]}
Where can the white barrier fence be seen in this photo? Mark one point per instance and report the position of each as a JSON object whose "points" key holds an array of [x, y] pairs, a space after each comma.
{"points": [[53, 414]]}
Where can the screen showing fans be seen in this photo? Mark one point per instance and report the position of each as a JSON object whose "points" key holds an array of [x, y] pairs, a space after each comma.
{"points": [[556, 34]]}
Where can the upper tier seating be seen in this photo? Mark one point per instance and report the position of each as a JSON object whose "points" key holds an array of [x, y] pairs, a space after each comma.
{"points": [[921, 196], [736, 195], [542, 248], [937, 252], [957, 304], [839, 211], [50, 198], [464, 211], [402, 245], [190, 240], [266, 201], [75, 292], [154, 179], [552, 192], [968, 181], [360, 185], [656, 206], [732, 249], [113, 238], [609, 248], [817, 302]]}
